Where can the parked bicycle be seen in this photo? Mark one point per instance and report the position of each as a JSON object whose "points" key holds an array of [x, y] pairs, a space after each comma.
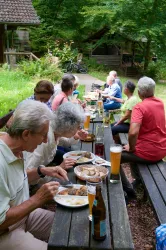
{"points": [[76, 67]]}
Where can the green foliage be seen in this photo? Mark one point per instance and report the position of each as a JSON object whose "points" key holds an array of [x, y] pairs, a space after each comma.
{"points": [[15, 86], [42, 68], [153, 70], [64, 51], [60, 20]]}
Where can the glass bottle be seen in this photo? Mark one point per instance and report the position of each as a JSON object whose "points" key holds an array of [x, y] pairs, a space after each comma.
{"points": [[98, 216], [99, 144]]}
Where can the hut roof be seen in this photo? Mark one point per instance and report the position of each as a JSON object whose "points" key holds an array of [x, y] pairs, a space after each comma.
{"points": [[18, 12]]}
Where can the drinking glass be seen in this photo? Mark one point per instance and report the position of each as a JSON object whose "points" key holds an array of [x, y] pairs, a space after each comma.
{"points": [[91, 189], [87, 121], [106, 119], [115, 156]]}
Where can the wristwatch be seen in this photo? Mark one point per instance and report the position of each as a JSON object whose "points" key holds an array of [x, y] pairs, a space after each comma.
{"points": [[39, 171]]}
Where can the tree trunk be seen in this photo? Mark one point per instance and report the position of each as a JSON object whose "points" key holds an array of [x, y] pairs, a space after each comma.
{"points": [[147, 54]]}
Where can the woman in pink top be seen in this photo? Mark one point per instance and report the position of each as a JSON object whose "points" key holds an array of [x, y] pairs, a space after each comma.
{"points": [[147, 134], [67, 90]]}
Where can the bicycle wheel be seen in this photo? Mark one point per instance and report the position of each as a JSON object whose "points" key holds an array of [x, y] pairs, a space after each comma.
{"points": [[69, 67], [83, 69]]}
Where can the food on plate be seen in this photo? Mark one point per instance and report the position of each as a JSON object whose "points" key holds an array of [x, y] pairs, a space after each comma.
{"points": [[86, 172], [82, 160], [82, 191], [83, 154], [99, 161]]}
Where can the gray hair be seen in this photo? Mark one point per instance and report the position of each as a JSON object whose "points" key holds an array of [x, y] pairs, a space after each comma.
{"points": [[113, 73], [29, 115], [110, 78], [146, 87], [68, 117]]}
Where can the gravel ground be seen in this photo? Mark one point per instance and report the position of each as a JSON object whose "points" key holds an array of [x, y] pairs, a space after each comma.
{"points": [[142, 218]]}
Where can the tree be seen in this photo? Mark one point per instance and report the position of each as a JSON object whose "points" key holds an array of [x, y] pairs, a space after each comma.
{"points": [[138, 20], [60, 19]]}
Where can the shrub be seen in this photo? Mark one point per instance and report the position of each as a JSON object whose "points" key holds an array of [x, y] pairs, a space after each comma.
{"points": [[42, 68], [156, 70], [64, 51]]}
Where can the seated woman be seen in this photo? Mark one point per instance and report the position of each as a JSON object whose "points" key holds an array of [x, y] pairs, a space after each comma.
{"points": [[112, 90], [122, 126], [67, 90], [147, 134], [43, 92], [67, 120]]}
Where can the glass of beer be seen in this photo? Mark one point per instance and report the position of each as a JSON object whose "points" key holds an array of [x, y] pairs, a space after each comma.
{"points": [[106, 119], [91, 189], [87, 121], [99, 104], [115, 156]]}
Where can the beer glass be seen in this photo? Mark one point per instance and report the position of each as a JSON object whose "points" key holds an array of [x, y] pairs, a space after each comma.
{"points": [[115, 156], [106, 119], [99, 104], [87, 121], [91, 189]]}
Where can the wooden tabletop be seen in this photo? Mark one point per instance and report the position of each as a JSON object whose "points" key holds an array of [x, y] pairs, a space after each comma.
{"points": [[71, 228]]}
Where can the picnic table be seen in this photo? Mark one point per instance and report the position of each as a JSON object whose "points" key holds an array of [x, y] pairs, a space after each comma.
{"points": [[71, 227]]}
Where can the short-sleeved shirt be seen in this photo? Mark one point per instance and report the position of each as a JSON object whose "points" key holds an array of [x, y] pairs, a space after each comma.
{"points": [[58, 100], [47, 103], [151, 141], [113, 90], [14, 188], [128, 105]]}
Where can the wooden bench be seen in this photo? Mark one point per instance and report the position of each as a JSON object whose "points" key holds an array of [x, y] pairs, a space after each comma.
{"points": [[153, 177]]}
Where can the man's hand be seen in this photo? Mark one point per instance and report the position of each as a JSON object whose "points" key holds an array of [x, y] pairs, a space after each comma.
{"points": [[68, 163], [45, 193], [57, 172], [81, 134]]}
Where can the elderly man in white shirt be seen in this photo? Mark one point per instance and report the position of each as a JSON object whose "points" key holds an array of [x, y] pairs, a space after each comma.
{"points": [[23, 225], [66, 123]]}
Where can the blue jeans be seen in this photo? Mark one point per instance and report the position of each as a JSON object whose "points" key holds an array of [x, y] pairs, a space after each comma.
{"points": [[120, 128], [110, 105]]}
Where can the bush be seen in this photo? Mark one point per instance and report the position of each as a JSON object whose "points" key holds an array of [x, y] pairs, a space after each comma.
{"points": [[64, 51], [156, 70], [42, 68]]}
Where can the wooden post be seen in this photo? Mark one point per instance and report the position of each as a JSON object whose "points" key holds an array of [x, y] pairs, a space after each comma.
{"points": [[7, 44], [2, 43]]}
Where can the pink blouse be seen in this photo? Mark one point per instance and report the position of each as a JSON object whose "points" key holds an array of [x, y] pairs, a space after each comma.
{"points": [[58, 100]]}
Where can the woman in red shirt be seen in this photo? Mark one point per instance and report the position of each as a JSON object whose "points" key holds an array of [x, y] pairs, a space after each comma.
{"points": [[147, 134]]}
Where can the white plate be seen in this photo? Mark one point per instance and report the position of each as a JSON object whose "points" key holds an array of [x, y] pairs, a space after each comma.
{"points": [[72, 201], [69, 155]]}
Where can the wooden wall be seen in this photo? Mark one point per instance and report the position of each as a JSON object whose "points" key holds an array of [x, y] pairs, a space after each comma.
{"points": [[111, 60]]}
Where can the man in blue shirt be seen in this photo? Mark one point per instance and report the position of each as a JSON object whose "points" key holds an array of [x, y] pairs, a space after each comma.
{"points": [[112, 90]]}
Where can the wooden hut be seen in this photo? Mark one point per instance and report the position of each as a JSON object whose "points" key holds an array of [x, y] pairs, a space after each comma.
{"points": [[14, 13]]}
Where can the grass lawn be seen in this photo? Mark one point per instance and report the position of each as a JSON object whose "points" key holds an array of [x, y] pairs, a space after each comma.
{"points": [[15, 87], [160, 87]]}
